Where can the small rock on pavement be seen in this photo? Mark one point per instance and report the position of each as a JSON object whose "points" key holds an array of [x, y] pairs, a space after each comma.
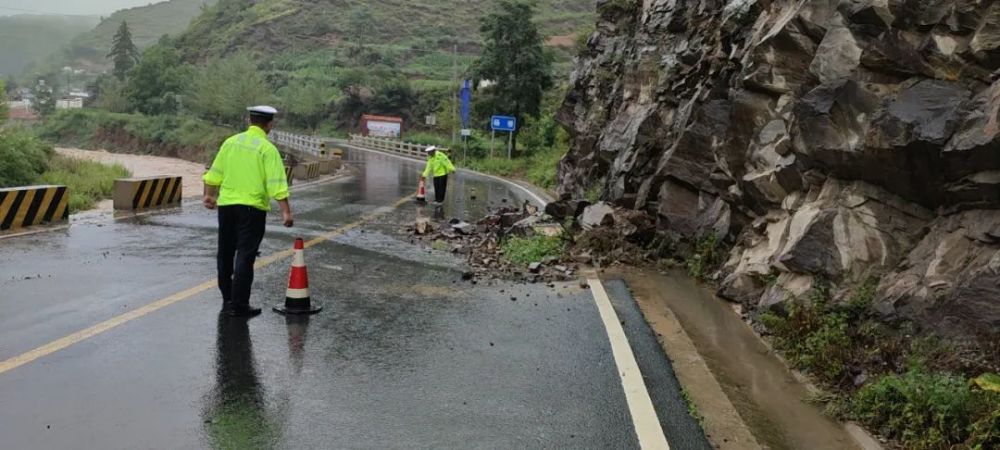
{"points": [[535, 267], [464, 228], [422, 227]]}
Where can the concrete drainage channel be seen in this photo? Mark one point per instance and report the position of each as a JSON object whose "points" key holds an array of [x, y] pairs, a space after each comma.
{"points": [[705, 337]]}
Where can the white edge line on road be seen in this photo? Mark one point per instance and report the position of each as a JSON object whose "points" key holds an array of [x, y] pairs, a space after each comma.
{"points": [[640, 405], [534, 196]]}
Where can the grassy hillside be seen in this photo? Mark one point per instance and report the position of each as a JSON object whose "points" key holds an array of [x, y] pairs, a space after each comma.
{"points": [[281, 24], [147, 23], [88, 50], [413, 35], [27, 38]]}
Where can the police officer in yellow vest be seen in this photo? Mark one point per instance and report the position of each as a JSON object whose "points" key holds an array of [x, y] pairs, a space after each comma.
{"points": [[246, 175], [439, 166]]}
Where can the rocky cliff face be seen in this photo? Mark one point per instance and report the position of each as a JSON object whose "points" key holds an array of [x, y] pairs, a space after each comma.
{"points": [[826, 140]]}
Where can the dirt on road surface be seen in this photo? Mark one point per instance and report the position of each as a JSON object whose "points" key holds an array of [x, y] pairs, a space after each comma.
{"points": [[146, 166]]}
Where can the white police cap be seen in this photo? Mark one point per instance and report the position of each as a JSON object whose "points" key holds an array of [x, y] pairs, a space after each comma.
{"points": [[262, 110]]}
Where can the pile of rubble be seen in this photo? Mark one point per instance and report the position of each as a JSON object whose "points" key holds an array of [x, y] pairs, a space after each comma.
{"points": [[598, 235], [481, 243]]}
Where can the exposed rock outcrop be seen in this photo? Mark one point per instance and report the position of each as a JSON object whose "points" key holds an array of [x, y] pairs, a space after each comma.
{"points": [[829, 140]]}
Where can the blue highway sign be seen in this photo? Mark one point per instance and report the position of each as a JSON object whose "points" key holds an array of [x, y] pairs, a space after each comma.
{"points": [[503, 123]]}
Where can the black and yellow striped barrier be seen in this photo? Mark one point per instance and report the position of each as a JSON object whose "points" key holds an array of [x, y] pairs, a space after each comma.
{"points": [[326, 167], [133, 194], [306, 171], [288, 174], [23, 207]]}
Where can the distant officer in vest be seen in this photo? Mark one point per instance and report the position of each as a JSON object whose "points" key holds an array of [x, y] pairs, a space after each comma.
{"points": [[247, 174], [440, 167]]}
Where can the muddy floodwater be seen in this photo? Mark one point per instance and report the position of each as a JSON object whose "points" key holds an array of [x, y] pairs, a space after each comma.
{"points": [[767, 395]]}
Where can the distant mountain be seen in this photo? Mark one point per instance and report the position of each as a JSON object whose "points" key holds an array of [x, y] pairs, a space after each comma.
{"points": [[89, 49], [26, 38], [147, 23]]}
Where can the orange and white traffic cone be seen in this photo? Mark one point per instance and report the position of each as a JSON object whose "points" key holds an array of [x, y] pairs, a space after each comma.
{"points": [[297, 296], [422, 191]]}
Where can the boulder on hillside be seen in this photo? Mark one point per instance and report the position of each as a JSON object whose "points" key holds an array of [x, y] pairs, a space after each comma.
{"points": [[597, 215]]}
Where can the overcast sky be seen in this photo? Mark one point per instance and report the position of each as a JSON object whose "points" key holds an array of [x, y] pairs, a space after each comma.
{"points": [[87, 7]]}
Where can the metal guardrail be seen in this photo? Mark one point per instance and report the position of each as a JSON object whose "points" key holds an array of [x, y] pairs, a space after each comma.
{"points": [[311, 145], [308, 145], [390, 145]]}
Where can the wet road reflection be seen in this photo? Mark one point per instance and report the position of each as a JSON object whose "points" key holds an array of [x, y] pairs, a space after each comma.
{"points": [[297, 326], [236, 417]]}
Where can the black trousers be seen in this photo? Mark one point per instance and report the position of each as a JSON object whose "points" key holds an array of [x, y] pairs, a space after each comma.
{"points": [[241, 229], [440, 188]]}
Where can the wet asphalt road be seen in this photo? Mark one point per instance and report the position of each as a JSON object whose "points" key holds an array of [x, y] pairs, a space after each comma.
{"points": [[404, 355]]}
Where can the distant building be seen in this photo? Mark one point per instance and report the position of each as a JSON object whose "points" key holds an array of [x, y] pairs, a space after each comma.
{"points": [[20, 111], [69, 103], [381, 126], [23, 94]]}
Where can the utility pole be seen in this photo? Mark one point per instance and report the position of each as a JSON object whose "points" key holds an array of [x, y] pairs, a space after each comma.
{"points": [[454, 93]]}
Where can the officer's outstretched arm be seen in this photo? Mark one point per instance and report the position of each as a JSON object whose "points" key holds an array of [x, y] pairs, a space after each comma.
{"points": [[277, 184]]}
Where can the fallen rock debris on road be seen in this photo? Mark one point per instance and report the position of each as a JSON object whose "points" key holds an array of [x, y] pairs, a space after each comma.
{"points": [[620, 236]]}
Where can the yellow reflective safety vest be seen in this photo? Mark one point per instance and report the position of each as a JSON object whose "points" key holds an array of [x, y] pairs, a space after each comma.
{"points": [[248, 171], [439, 165]]}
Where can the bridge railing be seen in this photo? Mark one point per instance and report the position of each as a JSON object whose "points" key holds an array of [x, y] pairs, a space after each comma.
{"points": [[390, 145], [308, 145], [311, 145]]}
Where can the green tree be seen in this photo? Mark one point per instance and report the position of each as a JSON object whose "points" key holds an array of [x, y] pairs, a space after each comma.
{"points": [[306, 102], [360, 25], [514, 59], [222, 90], [155, 83], [373, 91], [124, 53], [3, 102], [44, 103], [11, 86], [395, 97], [23, 157], [109, 94]]}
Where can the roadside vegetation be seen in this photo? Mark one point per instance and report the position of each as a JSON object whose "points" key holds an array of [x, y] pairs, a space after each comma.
{"points": [[534, 249], [86, 181], [917, 390], [543, 143], [176, 136], [26, 160], [707, 255]]}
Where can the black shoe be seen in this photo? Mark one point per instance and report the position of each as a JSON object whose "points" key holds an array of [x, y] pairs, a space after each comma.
{"points": [[246, 311]]}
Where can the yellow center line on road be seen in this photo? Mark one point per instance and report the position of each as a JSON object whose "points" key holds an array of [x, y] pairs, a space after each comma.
{"points": [[75, 338]]}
